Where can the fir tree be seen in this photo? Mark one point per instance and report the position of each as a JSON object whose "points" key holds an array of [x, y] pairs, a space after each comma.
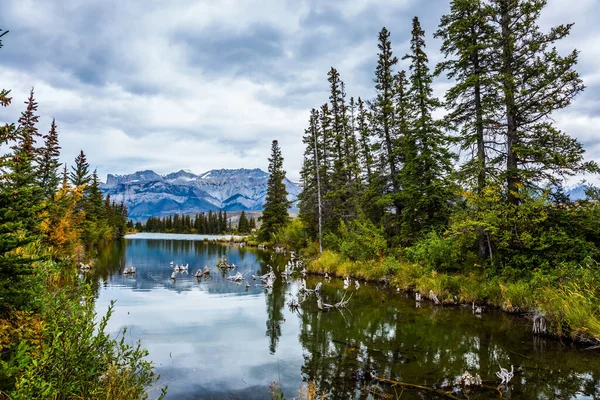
{"points": [[243, 223], [80, 172], [20, 204], [428, 162], [49, 164], [471, 102], [311, 196], [364, 132], [275, 211], [383, 119], [535, 81]]}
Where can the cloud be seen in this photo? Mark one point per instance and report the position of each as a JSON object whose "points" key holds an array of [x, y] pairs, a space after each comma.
{"points": [[202, 85]]}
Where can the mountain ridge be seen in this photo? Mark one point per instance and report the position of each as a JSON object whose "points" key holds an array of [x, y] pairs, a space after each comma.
{"points": [[148, 194]]}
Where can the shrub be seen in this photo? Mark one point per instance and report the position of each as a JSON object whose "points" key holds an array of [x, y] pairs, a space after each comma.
{"points": [[434, 252], [73, 356], [293, 235], [361, 240]]}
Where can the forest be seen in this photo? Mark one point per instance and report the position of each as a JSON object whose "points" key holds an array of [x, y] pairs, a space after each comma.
{"points": [[217, 223], [469, 207]]}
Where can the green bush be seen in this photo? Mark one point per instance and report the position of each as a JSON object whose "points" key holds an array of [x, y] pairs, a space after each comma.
{"points": [[293, 235], [75, 358], [361, 240], [434, 252]]}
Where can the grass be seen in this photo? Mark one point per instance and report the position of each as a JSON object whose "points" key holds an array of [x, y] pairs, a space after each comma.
{"points": [[571, 309]]}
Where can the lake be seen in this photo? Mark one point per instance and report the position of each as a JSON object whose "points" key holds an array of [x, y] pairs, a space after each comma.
{"points": [[214, 339]]}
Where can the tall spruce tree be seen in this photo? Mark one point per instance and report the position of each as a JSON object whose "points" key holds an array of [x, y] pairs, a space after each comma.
{"points": [[243, 223], [20, 203], [473, 100], [275, 211], [80, 172], [382, 108], [364, 141], [428, 162], [48, 163], [535, 81], [467, 37], [311, 201]]}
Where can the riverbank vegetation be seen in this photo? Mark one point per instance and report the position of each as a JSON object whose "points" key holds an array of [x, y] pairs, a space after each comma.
{"points": [[472, 206], [51, 343]]}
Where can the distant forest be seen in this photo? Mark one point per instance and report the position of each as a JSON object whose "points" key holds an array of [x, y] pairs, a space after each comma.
{"points": [[210, 223]]}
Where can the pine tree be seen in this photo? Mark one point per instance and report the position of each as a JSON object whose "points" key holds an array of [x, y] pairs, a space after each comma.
{"points": [[365, 146], [428, 162], [535, 81], [243, 223], [473, 100], [20, 204], [94, 204], [383, 121], [80, 172], [310, 206], [49, 164], [275, 211]]}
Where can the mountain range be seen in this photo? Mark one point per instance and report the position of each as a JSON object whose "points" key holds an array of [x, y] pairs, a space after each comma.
{"points": [[147, 194]]}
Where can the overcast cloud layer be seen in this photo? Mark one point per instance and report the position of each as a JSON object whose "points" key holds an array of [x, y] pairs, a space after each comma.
{"points": [[200, 85]]}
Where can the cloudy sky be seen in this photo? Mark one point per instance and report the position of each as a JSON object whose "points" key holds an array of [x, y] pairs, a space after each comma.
{"points": [[192, 84]]}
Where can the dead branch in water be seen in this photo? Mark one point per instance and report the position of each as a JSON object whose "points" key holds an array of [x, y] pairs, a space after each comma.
{"points": [[415, 386]]}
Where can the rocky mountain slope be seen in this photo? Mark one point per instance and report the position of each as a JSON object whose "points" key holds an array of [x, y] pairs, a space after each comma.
{"points": [[147, 193]]}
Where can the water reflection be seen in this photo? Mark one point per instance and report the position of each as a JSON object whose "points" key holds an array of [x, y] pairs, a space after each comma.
{"points": [[215, 339]]}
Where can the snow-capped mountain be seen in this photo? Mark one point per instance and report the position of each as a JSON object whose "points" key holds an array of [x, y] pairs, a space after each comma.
{"points": [[147, 193]]}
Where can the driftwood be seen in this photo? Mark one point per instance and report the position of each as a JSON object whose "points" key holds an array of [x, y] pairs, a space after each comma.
{"points": [[448, 395], [343, 303], [223, 263], [129, 271], [238, 277], [505, 376], [539, 324], [434, 298], [84, 267]]}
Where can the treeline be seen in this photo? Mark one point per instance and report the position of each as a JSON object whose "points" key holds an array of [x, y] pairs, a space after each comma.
{"points": [[210, 223], [389, 162], [50, 218]]}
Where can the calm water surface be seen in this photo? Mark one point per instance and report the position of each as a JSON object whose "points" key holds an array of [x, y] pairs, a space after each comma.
{"points": [[214, 339]]}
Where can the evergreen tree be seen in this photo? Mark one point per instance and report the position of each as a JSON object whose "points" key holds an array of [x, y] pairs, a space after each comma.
{"points": [[94, 204], [80, 174], [535, 81], [243, 223], [383, 121], [49, 164], [275, 211], [311, 202], [473, 100], [364, 132], [20, 204], [428, 162]]}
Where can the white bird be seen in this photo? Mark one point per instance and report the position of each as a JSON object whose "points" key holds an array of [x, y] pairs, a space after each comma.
{"points": [[171, 263], [356, 284], [173, 275]]}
